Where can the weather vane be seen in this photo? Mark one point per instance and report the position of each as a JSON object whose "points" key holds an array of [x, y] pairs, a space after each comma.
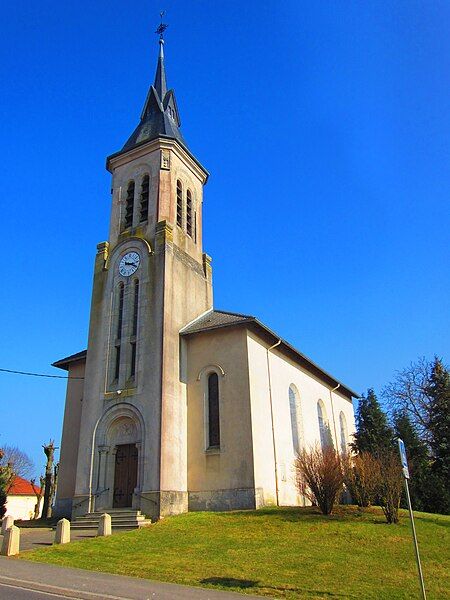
{"points": [[162, 26]]}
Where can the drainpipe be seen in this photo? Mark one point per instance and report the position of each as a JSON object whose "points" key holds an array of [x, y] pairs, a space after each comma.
{"points": [[332, 412], [271, 417]]}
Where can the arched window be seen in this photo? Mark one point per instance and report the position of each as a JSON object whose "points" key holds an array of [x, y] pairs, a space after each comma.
{"points": [[145, 189], [323, 425], [213, 411], [295, 410], [129, 205], [179, 204], [118, 341], [343, 428], [134, 328], [189, 213]]}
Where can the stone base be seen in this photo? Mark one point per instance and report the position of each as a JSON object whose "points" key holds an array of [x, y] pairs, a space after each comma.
{"points": [[163, 504], [80, 506], [232, 499], [62, 508]]}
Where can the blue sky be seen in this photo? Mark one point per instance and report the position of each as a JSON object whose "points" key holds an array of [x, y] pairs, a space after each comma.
{"points": [[326, 129]]}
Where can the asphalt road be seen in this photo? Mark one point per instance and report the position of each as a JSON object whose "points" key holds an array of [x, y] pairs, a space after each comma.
{"points": [[11, 592]]}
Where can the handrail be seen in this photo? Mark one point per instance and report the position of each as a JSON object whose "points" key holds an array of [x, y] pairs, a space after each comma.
{"points": [[96, 495]]}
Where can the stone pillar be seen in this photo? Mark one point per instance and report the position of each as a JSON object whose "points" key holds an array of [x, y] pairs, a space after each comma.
{"points": [[7, 522], [62, 535], [104, 525], [11, 541]]}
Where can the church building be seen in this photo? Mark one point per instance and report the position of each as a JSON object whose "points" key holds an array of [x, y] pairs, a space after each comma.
{"points": [[176, 406]]}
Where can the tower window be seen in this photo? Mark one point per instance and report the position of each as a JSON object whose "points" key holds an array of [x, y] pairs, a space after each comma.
{"points": [[179, 204], [135, 306], [213, 411], [189, 213], [133, 359], [117, 363], [120, 312], [145, 188], [129, 205]]}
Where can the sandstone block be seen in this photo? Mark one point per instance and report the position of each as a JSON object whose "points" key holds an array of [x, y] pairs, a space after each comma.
{"points": [[11, 541], [104, 525], [62, 535]]}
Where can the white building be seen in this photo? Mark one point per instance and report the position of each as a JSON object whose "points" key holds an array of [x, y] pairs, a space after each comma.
{"points": [[182, 407]]}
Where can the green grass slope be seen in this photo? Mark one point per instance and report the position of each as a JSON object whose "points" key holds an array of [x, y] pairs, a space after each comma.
{"points": [[278, 552]]}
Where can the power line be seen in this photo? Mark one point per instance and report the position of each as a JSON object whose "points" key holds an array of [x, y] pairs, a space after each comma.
{"points": [[39, 374]]}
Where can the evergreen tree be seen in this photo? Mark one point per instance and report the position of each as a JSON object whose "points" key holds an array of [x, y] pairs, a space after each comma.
{"points": [[418, 460], [373, 433], [439, 428]]}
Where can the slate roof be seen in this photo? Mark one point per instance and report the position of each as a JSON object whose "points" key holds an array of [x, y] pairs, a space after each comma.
{"points": [[160, 116], [63, 363], [214, 319], [21, 487]]}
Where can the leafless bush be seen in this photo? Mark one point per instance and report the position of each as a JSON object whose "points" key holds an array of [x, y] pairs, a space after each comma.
{"points": [[362, 477], [390, 484], [319, 476]]}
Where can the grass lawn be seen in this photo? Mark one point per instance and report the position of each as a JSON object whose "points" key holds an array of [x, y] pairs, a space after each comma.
{"points": [[278, 552]]}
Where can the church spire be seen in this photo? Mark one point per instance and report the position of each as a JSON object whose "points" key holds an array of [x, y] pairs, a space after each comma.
{"points": [[160, 116], [160, 84]]}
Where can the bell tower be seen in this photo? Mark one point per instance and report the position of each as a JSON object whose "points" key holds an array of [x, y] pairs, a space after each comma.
{"points": [[151, 278]]}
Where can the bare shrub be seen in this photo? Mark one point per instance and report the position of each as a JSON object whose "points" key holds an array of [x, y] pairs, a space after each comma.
{"points": [[319, 476], [362, 477], [390, 484], [19, 462]]}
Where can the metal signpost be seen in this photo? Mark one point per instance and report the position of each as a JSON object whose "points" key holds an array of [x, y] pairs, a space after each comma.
{"points": [[401, 447]]}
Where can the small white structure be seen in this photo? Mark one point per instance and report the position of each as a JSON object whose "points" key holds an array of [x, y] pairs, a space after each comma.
{"points": [[21, 500], [62, 535], [11, 542], [104, 525]]}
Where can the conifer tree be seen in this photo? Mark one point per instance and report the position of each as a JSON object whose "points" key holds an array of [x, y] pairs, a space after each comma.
{"points": [[373, 433], [439, 428]]}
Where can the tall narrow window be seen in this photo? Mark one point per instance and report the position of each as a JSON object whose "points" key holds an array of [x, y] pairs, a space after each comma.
{"points": [[189, 213], [117, 363], [134, 329], [213, 411], [135, 306], [294, 407], [129, 205], [179, 204], [119, 330], [343, 427], [145, 188], [195, 226], [120, 311], [323, 425]]}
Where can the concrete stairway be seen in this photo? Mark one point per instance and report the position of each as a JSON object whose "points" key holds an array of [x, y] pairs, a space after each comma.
{"points": [[121, 519]]}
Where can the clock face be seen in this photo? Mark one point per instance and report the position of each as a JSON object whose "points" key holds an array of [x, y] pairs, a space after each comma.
{"points": [[129, 263]]}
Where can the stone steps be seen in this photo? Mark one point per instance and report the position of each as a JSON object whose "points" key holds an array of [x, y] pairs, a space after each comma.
{"points": [[121, 519]]}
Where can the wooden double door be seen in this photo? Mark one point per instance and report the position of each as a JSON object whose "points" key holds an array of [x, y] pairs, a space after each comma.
{"points": [[125, 475]]}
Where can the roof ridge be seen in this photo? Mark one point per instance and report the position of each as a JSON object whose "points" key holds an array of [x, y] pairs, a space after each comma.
{"points": [[234, 314]]}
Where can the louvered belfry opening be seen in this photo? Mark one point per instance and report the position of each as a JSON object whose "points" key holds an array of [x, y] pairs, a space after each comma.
{"points": [[189, 213], [179, 204], [129, 205], [145, 189]]}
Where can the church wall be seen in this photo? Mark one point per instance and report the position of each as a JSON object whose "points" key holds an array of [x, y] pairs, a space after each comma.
{"points": [[285, 372], [69, 441], [220, 479]]}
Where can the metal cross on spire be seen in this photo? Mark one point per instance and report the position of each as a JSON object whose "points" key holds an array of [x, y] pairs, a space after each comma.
{"points": [[162, 26]]}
